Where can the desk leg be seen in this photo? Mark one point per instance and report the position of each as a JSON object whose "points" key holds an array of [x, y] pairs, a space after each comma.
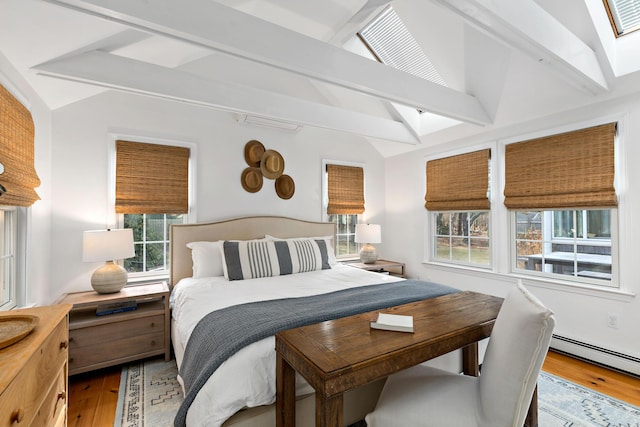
{"points": [[328, 410], [532, 416], [470, 360], [285, 393]]}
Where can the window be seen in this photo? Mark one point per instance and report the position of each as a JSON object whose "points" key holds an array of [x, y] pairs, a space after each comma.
{"points": [[561, 191], [344, 201], [574, 243], [151, 193], [624, 15], [392, 44], [18, 180], [462, 237], [458, 196], [8, 249]]}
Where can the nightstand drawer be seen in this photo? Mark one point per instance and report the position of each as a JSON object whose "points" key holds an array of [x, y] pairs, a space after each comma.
{"points": [[122, 350], [110, 332]]}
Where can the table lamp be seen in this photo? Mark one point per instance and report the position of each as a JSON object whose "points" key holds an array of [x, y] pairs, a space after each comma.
{"points": [[108, 245], [367, 234]]}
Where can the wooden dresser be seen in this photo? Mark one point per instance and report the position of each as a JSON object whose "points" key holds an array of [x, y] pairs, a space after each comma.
{"points": [[33, 373]]}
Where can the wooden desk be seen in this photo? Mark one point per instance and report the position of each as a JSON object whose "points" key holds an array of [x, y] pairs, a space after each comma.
{"points": [[343, 354]]}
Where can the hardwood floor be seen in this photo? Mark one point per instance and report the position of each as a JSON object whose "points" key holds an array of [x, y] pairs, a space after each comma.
{"points": [[93, 396]]}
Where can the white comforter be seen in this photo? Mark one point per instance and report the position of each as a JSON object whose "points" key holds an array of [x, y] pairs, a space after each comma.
{"points": [[248, 378]]}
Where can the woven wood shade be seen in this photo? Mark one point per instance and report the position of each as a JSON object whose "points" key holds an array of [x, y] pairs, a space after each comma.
{"points": [[458, 183], [346, 189], [569, 170], [16, 152], [151, 178]]}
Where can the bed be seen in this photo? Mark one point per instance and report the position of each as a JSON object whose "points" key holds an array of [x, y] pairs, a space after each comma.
{"points": [[210, 277]]}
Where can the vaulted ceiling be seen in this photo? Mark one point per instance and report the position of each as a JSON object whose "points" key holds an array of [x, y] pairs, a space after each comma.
{"points": [[299, 62]]}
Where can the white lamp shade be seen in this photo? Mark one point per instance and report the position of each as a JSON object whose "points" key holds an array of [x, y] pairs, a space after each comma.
{"points": [[368, 233], [107, 245]]}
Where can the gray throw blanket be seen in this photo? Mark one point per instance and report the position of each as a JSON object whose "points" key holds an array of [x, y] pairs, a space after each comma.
{"points": [[222, 333]]}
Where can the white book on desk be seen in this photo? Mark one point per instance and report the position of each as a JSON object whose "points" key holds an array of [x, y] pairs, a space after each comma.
{"points": [[393, 322]]}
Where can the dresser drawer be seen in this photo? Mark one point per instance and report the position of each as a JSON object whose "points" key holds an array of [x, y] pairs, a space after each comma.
{"points": [[109, 332], [55, 403], [26, 394], [115, 351]]}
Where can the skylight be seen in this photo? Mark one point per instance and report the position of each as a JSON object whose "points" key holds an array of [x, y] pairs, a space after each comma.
{"points": [[624, 15], [392, 44]]}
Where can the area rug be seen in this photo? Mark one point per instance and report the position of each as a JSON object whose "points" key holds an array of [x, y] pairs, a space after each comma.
{"points": [[150, 395]]}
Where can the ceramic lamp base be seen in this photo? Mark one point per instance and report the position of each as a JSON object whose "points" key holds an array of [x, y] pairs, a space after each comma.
{"points": [[368, 254], [109, 278]]}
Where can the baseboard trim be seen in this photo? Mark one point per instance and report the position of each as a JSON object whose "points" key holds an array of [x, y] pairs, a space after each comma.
{"points": [[595, 354]]}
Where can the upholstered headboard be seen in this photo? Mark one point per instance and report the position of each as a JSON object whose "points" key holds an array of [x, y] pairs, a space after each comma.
{"points": [[236, 229]]}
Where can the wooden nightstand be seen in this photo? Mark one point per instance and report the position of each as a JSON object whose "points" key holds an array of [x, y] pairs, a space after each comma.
{"points": [[381, 266], [110, 339]]}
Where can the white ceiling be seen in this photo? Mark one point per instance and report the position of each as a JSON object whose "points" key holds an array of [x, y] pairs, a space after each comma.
{"points": [[504, 61]]}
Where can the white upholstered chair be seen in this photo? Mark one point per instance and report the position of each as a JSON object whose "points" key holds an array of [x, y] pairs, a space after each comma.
{"points": [[499, 397]]}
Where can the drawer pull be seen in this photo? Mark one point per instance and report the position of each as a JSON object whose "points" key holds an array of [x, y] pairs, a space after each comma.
{"points": [[16, 416], [64, 345], [62, 395], [153, 324]]}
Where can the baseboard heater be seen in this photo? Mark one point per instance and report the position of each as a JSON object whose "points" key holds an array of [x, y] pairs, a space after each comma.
{"points": [[599, 355]]}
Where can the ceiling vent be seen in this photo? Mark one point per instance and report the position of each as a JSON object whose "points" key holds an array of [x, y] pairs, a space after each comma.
{"points": [[246, 119]]}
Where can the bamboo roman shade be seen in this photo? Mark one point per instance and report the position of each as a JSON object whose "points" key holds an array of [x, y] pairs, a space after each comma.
{"points": [[569, 170], [345, 189], [151, 178], [16, 153], [458, 183]]}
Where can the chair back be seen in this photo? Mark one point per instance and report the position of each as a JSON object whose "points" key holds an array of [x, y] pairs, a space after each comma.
{"points": [[515, 353]]}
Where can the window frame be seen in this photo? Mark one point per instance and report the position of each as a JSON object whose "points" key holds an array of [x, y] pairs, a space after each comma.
{"points": [[116, 220], [325, 202]]}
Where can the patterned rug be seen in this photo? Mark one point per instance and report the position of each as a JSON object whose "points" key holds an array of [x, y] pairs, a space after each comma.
{"points": [[150, 395]]}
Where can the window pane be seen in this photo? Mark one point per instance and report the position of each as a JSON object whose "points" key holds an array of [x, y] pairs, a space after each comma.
{"points": [[135, 221], [459, 250], [563, 224], [154, 230], [443, 248], [443, 221], [480, 251], [599, 224], [155, 256]]}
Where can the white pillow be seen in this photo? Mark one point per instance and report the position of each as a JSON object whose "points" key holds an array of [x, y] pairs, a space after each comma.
{"points": [[327, 239], [207, 261]]}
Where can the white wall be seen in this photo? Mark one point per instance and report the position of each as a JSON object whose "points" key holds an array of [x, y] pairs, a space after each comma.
{"points": [[80, 169], [581, 313], [38, 290]]}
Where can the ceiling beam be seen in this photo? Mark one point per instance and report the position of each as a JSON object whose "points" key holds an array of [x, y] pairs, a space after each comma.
{"points": [[120, 73], [212, 25], [526, 26]]}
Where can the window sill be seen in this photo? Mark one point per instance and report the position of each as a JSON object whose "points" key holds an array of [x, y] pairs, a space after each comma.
{"points": [[617, 294]]}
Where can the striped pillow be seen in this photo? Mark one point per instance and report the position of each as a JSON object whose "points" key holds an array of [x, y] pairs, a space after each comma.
{"points": [[249, 259], [300, 255]]}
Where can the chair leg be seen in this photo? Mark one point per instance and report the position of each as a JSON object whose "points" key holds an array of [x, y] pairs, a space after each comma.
{"points": [[532, 415]]}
